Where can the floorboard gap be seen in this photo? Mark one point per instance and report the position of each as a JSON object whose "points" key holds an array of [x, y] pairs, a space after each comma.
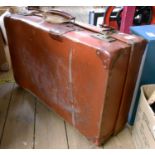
{"points": [[66, 134]]}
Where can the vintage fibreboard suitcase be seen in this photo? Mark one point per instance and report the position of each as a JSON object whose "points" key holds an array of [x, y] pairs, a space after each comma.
{"points": [[77, 70]]}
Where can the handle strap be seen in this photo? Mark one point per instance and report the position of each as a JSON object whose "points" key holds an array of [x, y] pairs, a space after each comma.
{"points": [[47, 15]]}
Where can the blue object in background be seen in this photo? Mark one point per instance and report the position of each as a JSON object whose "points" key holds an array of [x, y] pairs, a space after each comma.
{"points": [[147, 69]]}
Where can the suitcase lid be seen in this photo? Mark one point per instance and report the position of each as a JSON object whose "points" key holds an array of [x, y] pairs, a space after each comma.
{"points": [[66, 23], [106, 42]]}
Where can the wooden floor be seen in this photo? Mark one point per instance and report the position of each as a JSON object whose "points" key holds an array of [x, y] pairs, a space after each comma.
{"points": [[26, 123]]}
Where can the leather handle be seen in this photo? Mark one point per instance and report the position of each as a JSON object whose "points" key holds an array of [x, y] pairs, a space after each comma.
{"points": [[62, 13], [38, 12]]}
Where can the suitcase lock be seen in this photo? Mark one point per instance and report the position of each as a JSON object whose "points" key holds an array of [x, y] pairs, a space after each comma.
{"points": [[105, 33], [103, 36]]}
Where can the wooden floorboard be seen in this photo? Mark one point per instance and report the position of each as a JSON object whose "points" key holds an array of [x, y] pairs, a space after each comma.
{"points": [[49, 129], [76, 140], [19, 127], [5, 96], [122, 140]]}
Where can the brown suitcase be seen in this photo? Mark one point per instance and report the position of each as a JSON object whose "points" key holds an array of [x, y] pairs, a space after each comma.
{"points": [[79, 71]]}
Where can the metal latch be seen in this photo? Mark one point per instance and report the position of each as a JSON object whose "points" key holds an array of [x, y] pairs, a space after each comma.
{"points": [[103, 36]]}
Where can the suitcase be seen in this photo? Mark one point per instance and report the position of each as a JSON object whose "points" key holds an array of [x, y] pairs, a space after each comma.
{"points": [[147, 71], [77, 70]]}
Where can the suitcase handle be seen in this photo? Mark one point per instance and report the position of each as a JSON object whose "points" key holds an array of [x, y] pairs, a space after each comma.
{"points": [[61, 13], [44, 14]]}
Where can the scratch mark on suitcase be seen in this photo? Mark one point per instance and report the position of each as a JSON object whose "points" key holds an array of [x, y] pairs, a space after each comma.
{"points": [[70, 76], [70, 66], [71, 85]]}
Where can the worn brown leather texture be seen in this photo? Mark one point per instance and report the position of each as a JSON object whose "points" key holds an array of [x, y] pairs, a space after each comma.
{"points": [[132, 73], [79, 76]]}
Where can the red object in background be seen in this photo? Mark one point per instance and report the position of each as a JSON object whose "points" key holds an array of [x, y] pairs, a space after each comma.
{"points": [[128, 16], [107, 20], [153, 17]]}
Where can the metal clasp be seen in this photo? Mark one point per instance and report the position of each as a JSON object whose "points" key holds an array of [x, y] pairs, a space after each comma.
{"points": [[105, 33], [103, 36]]}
